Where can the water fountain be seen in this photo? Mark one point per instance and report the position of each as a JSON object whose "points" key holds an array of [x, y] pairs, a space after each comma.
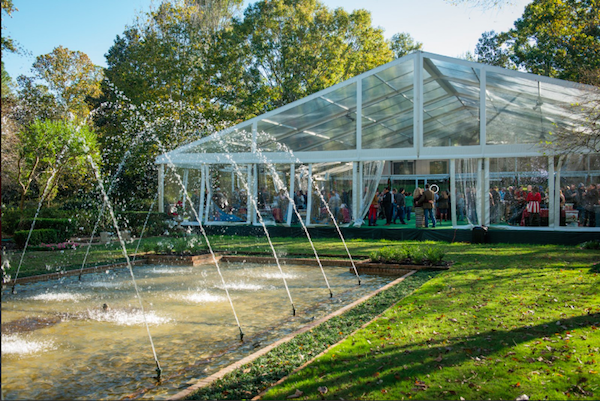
{"points": [[186, 310], [60, 335]]}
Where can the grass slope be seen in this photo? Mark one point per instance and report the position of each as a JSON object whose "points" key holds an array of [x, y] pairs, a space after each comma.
{"points": [[505, 321]]}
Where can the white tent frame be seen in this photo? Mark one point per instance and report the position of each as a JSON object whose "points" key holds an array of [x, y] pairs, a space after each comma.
{"points": [[187, 158]]}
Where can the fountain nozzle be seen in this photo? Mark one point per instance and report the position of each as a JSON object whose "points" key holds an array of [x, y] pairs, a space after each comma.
{"points": [[158, 372], [241, 335]]}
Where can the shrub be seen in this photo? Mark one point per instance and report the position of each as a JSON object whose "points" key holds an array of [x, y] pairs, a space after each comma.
{"points": [[65, 228], [594, 244], [180, 246], [408, 254], [434, 255], [45, 235]]}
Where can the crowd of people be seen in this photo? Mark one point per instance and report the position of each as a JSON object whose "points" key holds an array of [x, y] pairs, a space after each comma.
{"points": [[399, 205], [513, 205], [528, 205]]}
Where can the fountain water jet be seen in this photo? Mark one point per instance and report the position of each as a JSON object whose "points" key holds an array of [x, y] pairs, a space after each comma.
{"points": [[255, 205], [124, 250], [291, 200], [333, 218]]}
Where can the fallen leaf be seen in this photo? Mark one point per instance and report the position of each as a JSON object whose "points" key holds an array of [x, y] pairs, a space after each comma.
{"points": [[323, 390], [297, 394]]}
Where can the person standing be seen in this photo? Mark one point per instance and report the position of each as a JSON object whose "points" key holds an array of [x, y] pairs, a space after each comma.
{"points": [[373, 210], [429, 196], [443, 203], [400, 199], [408, 205], [335, 202], [533, 206], [386, 203]]}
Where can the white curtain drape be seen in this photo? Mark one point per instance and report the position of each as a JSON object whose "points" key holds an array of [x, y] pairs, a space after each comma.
{"points": [[372, 172]]}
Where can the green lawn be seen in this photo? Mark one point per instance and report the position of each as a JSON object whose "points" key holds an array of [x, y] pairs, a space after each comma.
{"points": [[505, 320]]}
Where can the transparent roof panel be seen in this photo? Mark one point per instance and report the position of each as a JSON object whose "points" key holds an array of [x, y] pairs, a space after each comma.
{"points": [[519, 109], [322, 123], [238, 140], [450, 104], [387, 109]]}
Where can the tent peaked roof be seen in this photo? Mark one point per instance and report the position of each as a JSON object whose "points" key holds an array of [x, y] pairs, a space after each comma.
{"points": [[419, 105]]}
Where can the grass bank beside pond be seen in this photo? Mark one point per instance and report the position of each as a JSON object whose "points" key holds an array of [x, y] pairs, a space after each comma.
{"points": [[503, 322]]}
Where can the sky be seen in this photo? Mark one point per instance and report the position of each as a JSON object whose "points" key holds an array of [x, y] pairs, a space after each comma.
{"points": [[92, 26]]}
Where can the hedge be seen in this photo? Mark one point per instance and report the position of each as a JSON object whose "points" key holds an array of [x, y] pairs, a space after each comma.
{"points": [[43, 235], [65, 228]]}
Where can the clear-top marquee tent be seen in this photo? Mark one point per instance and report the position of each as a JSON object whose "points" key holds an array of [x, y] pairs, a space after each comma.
{"points": [[424, 118]]}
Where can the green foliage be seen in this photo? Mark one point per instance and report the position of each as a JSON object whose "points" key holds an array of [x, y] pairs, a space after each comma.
{"points": [[71, 76], [594, 244], [65, 228], [409, 254], [556, 38], [402, 44], [489, 50], [180, 246], [285, 50], [134, 221], [52, 154], [43, 235]]}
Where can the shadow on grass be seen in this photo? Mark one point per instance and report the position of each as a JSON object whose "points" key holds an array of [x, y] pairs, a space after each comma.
{"points": [[432, 355]]}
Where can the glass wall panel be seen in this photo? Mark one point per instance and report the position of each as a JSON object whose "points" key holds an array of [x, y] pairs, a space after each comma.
{"points": [[192, 202], [450, 104], [466, 191], [332, 192], [274, 197], [579, 184], [511, 182], [387, 108], [326, 122], [228, 193], [174, 193], [300, 193]]}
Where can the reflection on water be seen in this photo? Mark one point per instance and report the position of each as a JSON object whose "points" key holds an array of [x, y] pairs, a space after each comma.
{"points": [[59, 343]]}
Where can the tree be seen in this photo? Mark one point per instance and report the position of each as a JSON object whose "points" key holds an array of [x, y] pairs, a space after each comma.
{"points": [[154, 87], [583, 136], [489, 50], [402, 44], [48, 153], [284, 50], [7, 42], [71, 77], [556, 38]]}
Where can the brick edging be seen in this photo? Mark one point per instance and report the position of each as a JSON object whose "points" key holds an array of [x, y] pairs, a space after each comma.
{"points": [[67, 273], [208, 380]]}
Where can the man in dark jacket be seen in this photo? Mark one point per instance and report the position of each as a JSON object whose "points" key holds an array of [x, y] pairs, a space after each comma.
{"points": [[429, 196], [386, 202], [399, 198]]}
